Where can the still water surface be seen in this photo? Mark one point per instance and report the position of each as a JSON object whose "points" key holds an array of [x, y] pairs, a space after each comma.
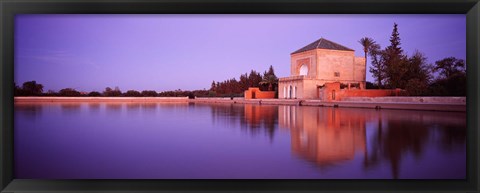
{"points": [[231, 141]]}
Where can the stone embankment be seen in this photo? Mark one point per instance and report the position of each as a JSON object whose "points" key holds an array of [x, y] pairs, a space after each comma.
{"points": [[450, 100], [101, 99], [456, 104]]}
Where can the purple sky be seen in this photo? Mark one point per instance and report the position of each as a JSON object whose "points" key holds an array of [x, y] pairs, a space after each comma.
{"points": [[168, 52]]}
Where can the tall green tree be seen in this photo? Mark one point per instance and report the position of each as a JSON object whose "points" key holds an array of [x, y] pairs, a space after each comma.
{"points": [[367, 44], [378, 63], [213, 86], [418, 74], [243, 81], [395, 61], [254, 79], [270, 79]]}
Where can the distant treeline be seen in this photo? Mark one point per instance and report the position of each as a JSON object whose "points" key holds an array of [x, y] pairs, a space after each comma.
{"points": [[32, 88], [229, 88], [233, 87]]}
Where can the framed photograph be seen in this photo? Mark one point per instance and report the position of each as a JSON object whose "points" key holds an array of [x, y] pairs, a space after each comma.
{"points": [[195, 96]]}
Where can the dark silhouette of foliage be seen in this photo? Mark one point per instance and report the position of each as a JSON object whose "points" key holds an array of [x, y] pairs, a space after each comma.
{"points": [[452, 80], [213, 86], [449, 67], [112, 93], [370, 85], [94, 94], [270, 79], [17, 90], [50, 93], [417, 75], [395, 61], [69, 92], [149, 93], [132, 93], [31, 88], [378, 64], [236, 88]]}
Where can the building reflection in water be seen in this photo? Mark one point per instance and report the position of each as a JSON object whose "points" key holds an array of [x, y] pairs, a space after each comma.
{"points": [[323, 135], [327, 136]]}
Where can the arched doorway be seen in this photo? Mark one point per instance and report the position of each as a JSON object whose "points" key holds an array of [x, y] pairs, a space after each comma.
{"points": [[333, 94], [290, 92]]}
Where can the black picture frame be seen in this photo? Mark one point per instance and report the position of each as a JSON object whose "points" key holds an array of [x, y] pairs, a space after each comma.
{"points": [[8, 9]]}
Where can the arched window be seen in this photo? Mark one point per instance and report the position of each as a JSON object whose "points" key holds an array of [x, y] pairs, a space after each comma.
{"points": [[304, 69]]}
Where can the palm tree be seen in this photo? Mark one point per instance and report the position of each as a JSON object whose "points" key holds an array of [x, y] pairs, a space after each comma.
{"points": [[269, 80], [367, 44]]}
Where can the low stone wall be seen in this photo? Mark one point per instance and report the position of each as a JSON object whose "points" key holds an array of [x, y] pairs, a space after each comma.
{"points": [[101, 99], [270, 101], [457, 104], [332, 92], [216, 99], [367, 93], [453, 107], [258, 94], [436, 100]]}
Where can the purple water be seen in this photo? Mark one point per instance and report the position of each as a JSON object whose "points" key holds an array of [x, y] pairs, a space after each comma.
{"points": [[234, 141]]}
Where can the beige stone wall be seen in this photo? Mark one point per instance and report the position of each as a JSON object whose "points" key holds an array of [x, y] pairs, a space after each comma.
{"points": [[296, 85], [310, 89], [360, 67], [331, 61], [308, 58], [305, 88]]}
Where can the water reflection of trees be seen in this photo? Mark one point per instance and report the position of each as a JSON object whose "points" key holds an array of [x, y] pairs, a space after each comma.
{"points": [[29, 110], [70, 108], [401, 132], [94, 107], [452, 137], [255, 119], [327, 136], [113, 108], [396, 138]]}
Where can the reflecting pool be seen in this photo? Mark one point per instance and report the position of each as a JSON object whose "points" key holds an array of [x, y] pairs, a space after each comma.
{"points": [[234, 141]]}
